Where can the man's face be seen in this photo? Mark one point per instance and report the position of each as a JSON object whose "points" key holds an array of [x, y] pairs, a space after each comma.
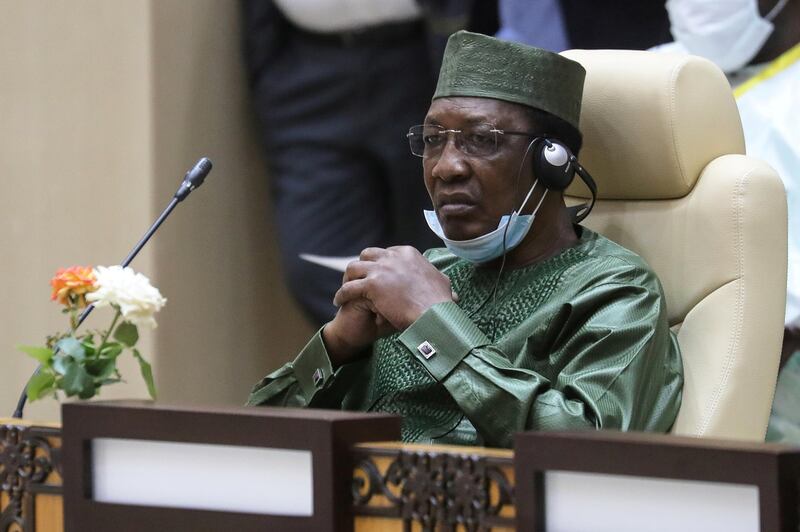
{"points": [[470, 193]]}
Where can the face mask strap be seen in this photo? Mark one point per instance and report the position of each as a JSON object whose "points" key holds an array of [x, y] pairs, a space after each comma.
{"points": [[775, 11], [519, 173], [540, 200], [533, 215], [530, 192]]}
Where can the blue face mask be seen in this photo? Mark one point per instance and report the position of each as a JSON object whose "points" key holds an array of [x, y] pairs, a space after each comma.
{"points": [[495, 243]]}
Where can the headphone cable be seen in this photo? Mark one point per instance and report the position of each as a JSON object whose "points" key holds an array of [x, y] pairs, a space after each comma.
{"points": [[493, 292]]}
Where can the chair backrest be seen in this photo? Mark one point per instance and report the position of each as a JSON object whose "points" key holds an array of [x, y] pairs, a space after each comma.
{"points": [[663, 139]]}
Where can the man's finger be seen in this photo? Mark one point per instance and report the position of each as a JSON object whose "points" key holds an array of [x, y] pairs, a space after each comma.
{"points": [[358, 269], [350, 291], [405, 251], [372, 254], [454, 296]]}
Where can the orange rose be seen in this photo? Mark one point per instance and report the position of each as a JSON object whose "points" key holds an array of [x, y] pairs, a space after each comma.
{"points": [[70, 285]]}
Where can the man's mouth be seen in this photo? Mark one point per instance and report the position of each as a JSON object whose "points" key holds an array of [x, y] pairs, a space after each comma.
{"points": [[455, 204], [456, 209]]}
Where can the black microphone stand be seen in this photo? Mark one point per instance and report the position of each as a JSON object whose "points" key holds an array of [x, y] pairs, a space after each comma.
{"points": [[193, 179]]}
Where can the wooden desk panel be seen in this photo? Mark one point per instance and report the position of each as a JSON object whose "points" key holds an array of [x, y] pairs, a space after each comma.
{"points": [[403, 487], [396, 487]]}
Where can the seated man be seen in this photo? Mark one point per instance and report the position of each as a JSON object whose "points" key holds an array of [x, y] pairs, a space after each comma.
{"points": [[527, 320]]}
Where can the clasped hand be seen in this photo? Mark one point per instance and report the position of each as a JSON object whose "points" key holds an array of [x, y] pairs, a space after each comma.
{"points": [[384, 291]]}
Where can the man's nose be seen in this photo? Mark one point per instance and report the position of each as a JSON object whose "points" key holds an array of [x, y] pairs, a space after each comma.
{"points": [[451, 163]]}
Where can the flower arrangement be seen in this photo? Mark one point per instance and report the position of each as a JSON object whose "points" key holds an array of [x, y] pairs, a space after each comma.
{"points": [[79, 364]]}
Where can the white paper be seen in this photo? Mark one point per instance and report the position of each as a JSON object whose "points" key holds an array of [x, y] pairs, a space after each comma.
{"points": [[334, 263], [203, 477], [589, 502]]}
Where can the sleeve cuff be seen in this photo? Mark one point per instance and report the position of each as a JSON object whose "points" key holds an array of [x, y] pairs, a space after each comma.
{"points": [[312, 367], [442, 337]]}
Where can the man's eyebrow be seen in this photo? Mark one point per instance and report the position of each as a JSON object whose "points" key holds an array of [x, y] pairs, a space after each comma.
{"points": [[470, 121], [481, 119]]}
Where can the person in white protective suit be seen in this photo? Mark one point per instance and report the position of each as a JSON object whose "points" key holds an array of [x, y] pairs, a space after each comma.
{"points": [[757, 44]]}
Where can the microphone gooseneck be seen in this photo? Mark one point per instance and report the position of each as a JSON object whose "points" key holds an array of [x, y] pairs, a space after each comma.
{"points": [[193, 179]]}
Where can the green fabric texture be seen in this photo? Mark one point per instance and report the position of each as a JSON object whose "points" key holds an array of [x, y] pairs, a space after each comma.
{"points": [[578, 341], [784, 420], [479, 65]]}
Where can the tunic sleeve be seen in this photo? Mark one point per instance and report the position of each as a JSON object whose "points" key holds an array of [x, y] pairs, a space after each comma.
{"points": [[309, 380], [612, 363]]}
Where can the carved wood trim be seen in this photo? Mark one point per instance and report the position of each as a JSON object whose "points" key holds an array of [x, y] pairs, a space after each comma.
{"points": [[28, 460], [432, 489]]}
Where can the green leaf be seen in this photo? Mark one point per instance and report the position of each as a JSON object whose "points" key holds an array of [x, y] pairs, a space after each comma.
{"points": [[88, 347], [147, 373], [40, 385], [89, 392], [127, 333], [62, 363], [72, 347], [42, 354], [77, 382], [111, 350], [101, 368]]}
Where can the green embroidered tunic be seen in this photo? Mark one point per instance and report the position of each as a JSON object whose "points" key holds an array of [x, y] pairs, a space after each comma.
{"points": [[579, 340]]}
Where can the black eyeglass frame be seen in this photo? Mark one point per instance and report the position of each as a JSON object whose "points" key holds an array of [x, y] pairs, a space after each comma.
{"points": [[411, 134]]}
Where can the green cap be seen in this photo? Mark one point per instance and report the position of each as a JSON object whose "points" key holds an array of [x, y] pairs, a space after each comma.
{"points": [[479, 65]]}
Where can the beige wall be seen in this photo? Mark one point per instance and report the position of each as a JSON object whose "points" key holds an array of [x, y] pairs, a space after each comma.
{"points": [[103, 107]]}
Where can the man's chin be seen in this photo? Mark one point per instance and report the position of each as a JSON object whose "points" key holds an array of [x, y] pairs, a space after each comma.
{"points": [[458, 231]]}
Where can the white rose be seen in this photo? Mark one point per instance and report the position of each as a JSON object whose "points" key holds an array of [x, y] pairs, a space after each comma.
{"points": [[131, 292]]}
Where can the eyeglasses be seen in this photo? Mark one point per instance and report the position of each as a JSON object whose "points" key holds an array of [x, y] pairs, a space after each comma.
{"points": [[482, 140]]}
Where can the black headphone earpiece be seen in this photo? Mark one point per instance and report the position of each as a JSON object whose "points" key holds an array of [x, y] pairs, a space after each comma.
{"points": [[555, 167], [552, 164]]}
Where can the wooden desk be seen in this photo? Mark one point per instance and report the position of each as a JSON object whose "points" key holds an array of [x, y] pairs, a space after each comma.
{"points": [[396, 486], [402, 487]]}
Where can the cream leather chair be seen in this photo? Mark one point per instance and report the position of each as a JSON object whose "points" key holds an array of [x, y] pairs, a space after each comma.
{"points": [[663, 140]]}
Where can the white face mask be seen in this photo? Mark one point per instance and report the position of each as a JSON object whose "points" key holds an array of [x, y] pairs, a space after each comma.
{"points": [[495, 243], [728, 32]]}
